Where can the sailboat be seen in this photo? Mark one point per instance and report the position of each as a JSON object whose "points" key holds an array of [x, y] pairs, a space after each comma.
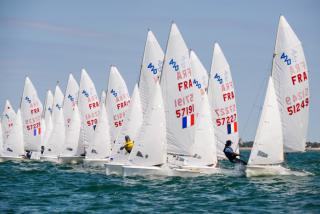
{"points": [[291, 81], [13, 148], [149, 154], [47, 119], [99, 149], [222, 100], [53, 146], [267, 151], [89, 107], [283, 123], [131, 127], [31, 112], [1, 141], [117, 102], [70, 152], [7, 121], [151, 68]]}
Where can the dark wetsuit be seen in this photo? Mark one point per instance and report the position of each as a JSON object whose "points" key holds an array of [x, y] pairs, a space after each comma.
{"points": [[228, 151]]}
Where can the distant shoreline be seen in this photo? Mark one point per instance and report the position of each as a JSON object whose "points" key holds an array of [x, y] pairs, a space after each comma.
{"points": [[307, 149]]}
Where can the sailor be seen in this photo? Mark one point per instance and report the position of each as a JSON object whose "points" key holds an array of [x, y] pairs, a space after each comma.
{"points": [[128, 145], [231, 155]]}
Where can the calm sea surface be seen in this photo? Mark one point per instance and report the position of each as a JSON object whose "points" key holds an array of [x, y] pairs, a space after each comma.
{"points": [[35, 187]]}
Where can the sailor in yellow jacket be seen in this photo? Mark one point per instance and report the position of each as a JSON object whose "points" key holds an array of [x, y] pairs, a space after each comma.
{"points": [[128, 145]]}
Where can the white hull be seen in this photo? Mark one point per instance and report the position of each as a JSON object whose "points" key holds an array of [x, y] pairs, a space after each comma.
{"points": [[114, 168], [266, 170], [50, 159], [71, 159], [95, 163], [145, 171], [9, 158], [193, 171]]}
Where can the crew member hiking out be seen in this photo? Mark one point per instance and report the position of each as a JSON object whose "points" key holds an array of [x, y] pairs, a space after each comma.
{"points": [[231, 155], [128, 145]]}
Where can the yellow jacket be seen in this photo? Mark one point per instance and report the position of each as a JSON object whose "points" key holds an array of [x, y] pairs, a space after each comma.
{"points": [[129, 145]]}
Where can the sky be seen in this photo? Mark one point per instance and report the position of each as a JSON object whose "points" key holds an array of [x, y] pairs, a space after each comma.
{"points": [[47, 40]]}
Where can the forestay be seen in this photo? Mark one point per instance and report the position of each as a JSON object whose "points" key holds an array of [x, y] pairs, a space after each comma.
{"points": [[100, 147], [222, 100], [89, 107], [150, 69], [268, 143], [117, 102], [132, 124], [150, 148], [290, 77], [14, 146], [7, 121], [31, 112], [178, 94]]}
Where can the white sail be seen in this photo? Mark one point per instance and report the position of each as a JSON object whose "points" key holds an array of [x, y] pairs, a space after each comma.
{"points": [[70, 147], [200, 74], [132, 123], [152, 134], [47, 125], [31, 111], [70, 100], [290, 77], [222, 100], [57, 103], [1, 141], [89, 107], [268, 143], [13, 146], [7, 121], [100, 147], [204, 148], [178, 93], [103, 97], [57, 137], [150, 69], [117, 102]]}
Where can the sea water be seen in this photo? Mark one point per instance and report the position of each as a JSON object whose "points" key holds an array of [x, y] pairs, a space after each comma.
{"points": [[39, 187]]}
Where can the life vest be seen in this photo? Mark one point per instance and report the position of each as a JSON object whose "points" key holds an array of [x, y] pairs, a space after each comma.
{"points": [[229, 154], [129, 145]]}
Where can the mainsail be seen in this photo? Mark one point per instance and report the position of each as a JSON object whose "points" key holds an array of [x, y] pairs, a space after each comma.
{"points": [[89, 107], [13, 146], [100, 147], [178, 94], [7, 121], [150, 69], [290, 77], [222, 100], [31, 111], [268, 143], [47, 118], [152, 133], [117, 102], [200, 74], [70, 100]]}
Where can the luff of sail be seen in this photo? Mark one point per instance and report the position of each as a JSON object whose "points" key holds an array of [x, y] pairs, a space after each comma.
{"points": [[268, 142], [222, 99], [31, 112], [150, 69], [178, 92], [290, 77]]}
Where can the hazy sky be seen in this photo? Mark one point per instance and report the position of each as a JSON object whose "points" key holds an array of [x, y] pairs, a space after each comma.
{"points": [[47, 40]]}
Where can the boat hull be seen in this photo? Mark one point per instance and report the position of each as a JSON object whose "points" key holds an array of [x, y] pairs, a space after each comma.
{"points": [[9, 158], [266, 170], [193, 171], [50, 159], [95, 163], [71, 159], [114, 168], [145, 171]]}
